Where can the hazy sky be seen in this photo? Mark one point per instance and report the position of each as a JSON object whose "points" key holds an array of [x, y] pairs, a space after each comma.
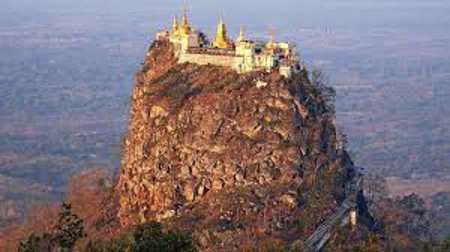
{"points": [[139, 4], [311, 12]]}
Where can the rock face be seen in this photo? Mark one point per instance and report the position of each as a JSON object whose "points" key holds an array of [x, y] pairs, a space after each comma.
{"points": [[233, 158]]}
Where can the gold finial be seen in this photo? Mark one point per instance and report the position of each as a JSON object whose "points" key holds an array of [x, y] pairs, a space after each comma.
{"points": [[241, 34], [271, 33], [222, 17], [175, 23], [184, 23], [185, 20]]}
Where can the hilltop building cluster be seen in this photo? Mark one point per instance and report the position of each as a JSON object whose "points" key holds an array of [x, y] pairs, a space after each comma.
{"points": [[243, 55]]}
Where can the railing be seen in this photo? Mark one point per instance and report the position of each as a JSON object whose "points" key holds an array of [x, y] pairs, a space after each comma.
{"points": [[321, 235], [329, 223]]}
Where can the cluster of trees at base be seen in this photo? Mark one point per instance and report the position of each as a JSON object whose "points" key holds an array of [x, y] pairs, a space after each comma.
{"points": [[146, 237], [69, 230]]}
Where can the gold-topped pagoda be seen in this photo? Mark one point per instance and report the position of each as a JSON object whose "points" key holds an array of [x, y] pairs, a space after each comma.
{"points": [[222, 40], [184, 28], [241, 37], [175, 23], [243, 55]]}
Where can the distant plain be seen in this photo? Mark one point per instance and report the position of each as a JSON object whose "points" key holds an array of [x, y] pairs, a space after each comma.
{"points": [[66, 74]]}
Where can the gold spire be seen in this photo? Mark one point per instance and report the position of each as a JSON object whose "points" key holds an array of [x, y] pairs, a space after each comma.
{"points": [[175, 23], [271, 43], [221, 36], [241, 35], [184, 22]]}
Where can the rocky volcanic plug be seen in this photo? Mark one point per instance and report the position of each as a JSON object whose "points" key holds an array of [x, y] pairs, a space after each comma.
{"points": [[234, 158]]}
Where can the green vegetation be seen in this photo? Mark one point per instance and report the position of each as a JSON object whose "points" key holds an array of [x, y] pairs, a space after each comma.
{"points": [[146, 237], [177, 91], [67, 232], [69, 229], [36, 243]]}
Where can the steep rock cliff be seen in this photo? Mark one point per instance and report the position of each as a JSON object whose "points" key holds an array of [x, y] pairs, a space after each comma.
{"points": [[235, 158]]}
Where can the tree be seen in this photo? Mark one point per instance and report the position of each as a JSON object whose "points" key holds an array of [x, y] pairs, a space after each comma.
{"points": [[36, 243], [342, 140], [318, 78], [121, 243], [412, 203], [150, 237], [69, 229], [64, 236], [147, 237], [326, 93], [444, 244]]}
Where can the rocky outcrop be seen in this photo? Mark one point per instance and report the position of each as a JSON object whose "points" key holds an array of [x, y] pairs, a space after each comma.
{"points": [[232, 157]]}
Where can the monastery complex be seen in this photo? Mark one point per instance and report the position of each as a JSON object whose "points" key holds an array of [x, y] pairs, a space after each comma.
{"points": [[242, 55]]}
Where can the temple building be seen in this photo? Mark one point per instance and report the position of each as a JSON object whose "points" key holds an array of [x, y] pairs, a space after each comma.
{"points": [[243, 55]]}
